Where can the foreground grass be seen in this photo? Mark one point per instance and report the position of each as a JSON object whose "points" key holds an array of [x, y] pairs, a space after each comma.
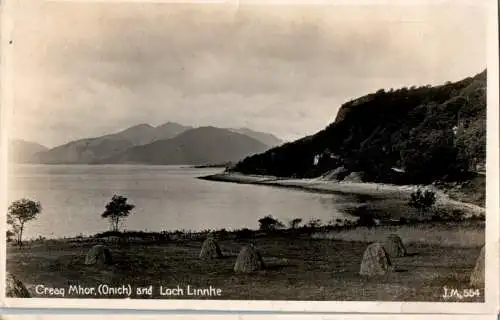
{"points": [[298, 267], [464, 234]]}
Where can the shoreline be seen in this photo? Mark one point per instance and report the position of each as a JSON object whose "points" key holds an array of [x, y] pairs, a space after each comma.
{"points": [[327, 231], [370, 189]]}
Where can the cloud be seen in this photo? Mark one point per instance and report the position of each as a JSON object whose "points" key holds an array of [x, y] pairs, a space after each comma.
{"points": [[88, 68]]}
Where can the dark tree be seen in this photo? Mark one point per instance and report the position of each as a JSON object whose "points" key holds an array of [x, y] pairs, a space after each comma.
{"points": [[116, 210], [20, 212]]}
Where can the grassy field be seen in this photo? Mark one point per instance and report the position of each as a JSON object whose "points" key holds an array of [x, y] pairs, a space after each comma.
{"points": [[299, 267]]}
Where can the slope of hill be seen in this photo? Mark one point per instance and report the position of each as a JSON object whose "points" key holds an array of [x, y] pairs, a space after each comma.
{"points": [[139, 134], [204, 145], [432, 133], [94, 149], [83, 151], [21, 151], [266, 138], [168, 130]]}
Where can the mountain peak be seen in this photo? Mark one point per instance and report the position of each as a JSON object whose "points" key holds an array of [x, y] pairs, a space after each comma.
{"points": [[140, 126], [173, 125]]}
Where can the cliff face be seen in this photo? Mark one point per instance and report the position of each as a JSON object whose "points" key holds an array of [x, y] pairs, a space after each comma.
{"points": [[431, 133]]}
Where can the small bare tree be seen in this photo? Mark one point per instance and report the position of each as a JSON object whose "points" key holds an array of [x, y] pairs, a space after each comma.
{"points": [[20, 212], [117, 209]]}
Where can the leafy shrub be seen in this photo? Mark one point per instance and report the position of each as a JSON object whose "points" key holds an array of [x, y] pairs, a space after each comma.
{"points": [[109, 233], [314, 223], [422, 200], [366, 221], [244, 233], [9, 234], [222, 234], [269, 223]]}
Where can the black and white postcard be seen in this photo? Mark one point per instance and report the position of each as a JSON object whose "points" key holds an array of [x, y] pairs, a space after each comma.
{"points": [[332, 156]]}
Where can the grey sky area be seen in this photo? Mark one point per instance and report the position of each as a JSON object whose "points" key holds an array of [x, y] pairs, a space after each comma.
{"points": [[85, 69]]}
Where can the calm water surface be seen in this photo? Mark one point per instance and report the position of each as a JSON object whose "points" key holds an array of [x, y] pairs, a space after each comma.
{"points": [[166, 198]]}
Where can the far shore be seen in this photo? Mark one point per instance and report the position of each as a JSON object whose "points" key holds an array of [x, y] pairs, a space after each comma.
{"points": [[367, 189]]}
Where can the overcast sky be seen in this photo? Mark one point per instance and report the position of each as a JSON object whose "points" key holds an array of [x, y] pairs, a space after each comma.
{"points": [[85, 69]]}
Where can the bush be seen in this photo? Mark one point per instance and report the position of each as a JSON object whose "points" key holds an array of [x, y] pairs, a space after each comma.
{"points": [[366, 221], [269, 223], [244, 233], [455, 215], [422, 200], [9, 234], [314, 223], [222, 234], [109, 233]]}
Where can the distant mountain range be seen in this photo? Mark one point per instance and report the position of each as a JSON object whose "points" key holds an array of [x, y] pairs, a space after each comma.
{"points": [[168, 144], [206, 145]]}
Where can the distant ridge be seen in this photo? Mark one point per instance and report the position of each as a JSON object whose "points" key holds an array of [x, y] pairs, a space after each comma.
{"points": [[22, 151], [123, 146], [199, 146], [90, 150], [266, 138]]}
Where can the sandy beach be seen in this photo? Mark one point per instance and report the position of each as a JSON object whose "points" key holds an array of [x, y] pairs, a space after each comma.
{"points": [[377, 190]]}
